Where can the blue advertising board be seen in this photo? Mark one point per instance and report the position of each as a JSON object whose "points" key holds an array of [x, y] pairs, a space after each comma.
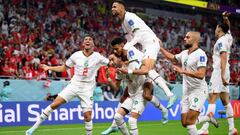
{"points": [[26, 113]]}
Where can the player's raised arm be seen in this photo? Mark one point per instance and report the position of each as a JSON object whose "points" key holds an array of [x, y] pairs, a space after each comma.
{"points": [[54, 68], [168, 55], [225, 18]]}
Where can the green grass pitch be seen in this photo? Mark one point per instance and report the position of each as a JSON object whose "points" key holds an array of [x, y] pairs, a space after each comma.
{"points": [[145, 128]]}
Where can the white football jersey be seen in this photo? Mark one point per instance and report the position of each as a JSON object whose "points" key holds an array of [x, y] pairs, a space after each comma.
{"points": [[134, 82], [132, 22], [192, 62], [85, 68], [223, 44]]}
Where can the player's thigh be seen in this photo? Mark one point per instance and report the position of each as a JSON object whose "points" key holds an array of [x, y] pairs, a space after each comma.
{"points": [[197, 100], [147, 88], [86, 100], [216, 84], [57, 102], [212, 98], [85, 94], [184, 105], [150, 47], [138, 105], [224, 98], [192, 116], [68, 92], [127, 105], [124, 96]]}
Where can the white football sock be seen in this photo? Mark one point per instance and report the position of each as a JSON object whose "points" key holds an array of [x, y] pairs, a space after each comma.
{"points": [[114, 122], [192, 129], [152, 74], [204, 118], [89, 127], [211, 109], [121, 124], [229, 114], [133, 126], [156, 103], [44, 115]]}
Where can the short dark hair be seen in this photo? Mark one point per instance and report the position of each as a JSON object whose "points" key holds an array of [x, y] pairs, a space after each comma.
{"points": [[88, 35], [121, 2], [224, 27], [117, 40]]}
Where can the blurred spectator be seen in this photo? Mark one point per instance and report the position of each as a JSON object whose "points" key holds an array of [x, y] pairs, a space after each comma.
{"points": [[5, 93]]}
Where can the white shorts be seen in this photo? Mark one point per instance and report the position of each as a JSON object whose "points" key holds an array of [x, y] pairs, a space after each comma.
{"points": [[216, 85], [136, 105], [194, 101], [150, 47], [83, 91]]}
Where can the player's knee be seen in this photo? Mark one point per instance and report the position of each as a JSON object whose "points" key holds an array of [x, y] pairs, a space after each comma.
{"points": [[184, 124], [132, 122], [118, 117], [189, 122], [87, 117], [54, 106], [147, 96]]}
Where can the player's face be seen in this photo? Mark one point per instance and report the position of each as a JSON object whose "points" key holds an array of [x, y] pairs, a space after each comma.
{"points": [[188, 40], [116, 8], [88, 43], [118, 50]]}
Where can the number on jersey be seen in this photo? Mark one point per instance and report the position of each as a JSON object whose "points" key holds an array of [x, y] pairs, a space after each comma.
{"points": [[85, 72]]}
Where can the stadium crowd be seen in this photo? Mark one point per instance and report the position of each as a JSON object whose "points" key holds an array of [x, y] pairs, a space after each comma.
{"points": [[48, 32]]}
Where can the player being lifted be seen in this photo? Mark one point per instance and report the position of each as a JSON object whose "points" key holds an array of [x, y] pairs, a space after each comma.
{"points": [[195, 90], [136, 31], [86, 63], [134, 57], [221, 74]]}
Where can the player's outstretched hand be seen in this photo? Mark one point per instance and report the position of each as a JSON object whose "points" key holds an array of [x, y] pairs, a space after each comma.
{"points": [[178, 69], [44, 67], [225, 83], [226, 14]]}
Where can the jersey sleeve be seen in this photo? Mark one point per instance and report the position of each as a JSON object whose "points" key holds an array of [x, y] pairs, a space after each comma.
{"points": [[202, 60], [103, 60], [70, 61], [131, 21], [222, 46], [179, 57]]}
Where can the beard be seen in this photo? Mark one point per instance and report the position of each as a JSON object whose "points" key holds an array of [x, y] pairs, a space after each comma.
{"points": [[187, 46], [115, 14]]}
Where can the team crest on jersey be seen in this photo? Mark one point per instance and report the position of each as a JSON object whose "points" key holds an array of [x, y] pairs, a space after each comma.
{"points": [[202, 59], [130, 22], [86, 63]]}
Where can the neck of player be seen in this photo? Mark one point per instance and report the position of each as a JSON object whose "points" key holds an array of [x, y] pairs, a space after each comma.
{"points": [[87, 52], [193, 48]]}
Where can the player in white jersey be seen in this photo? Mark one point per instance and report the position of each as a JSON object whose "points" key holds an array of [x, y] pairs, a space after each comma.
{"points": [[195, 91], [134, 55], [86, 63], [137, 31], [221, 74]]}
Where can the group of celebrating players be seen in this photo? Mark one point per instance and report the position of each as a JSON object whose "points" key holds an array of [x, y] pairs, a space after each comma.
{"points": [[137, 69]]}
